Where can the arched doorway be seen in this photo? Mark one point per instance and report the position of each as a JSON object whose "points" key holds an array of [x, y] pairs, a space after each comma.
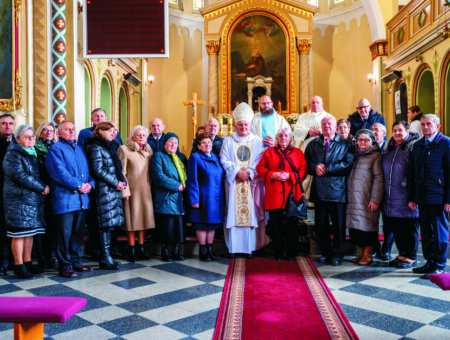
{"points": [[87, 97], [123, 113], [425, 91], [106, 96]]}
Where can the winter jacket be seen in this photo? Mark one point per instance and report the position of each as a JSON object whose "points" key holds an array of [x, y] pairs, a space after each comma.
{"points": [[395, 161], [4, 144], [365, 184], [22, 191], [68, 169], [357, 123], [205, 186], [277, 192], [165, 183], [107, 173], [429, 177], [332, 186]]}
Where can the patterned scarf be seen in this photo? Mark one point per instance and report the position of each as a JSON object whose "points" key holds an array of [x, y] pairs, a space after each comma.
{"points": [[180, 168]]}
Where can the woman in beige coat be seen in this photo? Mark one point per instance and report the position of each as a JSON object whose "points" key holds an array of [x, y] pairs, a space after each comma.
{"points": [[136, 157], [365, 192]]}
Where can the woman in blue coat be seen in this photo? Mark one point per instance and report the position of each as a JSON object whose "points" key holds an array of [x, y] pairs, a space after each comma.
{"points": [[206, 194], [168, 183]]}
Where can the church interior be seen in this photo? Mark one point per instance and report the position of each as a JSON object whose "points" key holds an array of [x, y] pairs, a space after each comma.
{"points": [[395, 53]]}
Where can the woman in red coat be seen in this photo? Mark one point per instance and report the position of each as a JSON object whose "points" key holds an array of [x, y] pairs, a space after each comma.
{"points": [[280, 168]]}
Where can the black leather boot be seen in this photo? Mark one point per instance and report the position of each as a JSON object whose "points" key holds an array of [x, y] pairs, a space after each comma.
{"points": [[140, 253], [178, 252], [20, 270], [106, 261], [131, 254], [34, 269], [165, 254], [210, 253], [203, 255]]}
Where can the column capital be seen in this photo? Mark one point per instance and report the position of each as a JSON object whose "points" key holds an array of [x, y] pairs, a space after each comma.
{"points": [[304, 46], [213, 46]]}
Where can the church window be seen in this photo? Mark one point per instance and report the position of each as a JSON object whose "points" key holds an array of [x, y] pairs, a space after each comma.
{"points": [[197, 4]]}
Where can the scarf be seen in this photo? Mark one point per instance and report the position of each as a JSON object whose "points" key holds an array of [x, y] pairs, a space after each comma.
{"points": [[180, 168], [284, 157], [30, 151]]}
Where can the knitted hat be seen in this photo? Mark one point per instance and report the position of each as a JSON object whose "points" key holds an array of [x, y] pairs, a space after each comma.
{"points": [[243, 112], [169, 135]]}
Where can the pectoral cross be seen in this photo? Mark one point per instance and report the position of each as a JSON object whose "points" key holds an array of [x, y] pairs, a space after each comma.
{"points": [[194, 102]]}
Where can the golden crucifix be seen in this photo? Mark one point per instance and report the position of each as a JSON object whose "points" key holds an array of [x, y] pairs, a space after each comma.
{"points": [[193, 103]]}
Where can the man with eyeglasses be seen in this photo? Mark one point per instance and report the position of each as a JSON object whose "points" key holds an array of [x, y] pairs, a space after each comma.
{"points": [[364, 117], [7, 124]]}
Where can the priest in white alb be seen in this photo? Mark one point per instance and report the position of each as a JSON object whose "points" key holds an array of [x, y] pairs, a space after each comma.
{"points": [[239, 156], [308, 123]]}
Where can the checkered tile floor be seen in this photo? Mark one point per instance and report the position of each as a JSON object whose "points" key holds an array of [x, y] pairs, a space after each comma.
{"points": [[180, 300]]}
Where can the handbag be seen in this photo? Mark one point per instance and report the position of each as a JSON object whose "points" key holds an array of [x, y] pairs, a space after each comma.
{"points": [[295, 208], [298, 209]]}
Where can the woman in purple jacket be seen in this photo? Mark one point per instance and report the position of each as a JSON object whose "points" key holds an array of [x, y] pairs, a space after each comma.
{"points": [[397, 216]]}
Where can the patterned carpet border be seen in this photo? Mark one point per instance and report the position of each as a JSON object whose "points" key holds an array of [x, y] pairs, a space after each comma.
{"points": [[230, 315], [333, 316]]}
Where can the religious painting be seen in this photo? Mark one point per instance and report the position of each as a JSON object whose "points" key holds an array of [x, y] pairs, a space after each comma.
{"points": [[9, 84], [258, 48]]}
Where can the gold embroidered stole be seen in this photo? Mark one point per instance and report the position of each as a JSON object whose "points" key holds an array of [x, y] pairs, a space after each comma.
{"points": [[243, 193]]}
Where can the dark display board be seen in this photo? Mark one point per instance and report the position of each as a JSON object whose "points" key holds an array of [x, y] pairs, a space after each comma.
{"points": [[125, 28]]}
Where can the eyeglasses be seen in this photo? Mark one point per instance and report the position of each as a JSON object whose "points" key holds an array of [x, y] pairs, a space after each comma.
{"points": [[363, 107], [29, 137]]}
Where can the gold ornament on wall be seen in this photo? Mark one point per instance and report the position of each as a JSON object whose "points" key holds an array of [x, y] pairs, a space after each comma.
{"points": [[213, 46], [304, 46]]}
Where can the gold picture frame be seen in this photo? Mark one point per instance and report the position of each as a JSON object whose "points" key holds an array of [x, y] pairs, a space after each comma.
{"points": [[10, 92]]}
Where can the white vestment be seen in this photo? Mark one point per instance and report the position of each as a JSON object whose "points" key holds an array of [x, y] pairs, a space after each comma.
{"points": [[241, 220], [280, 122], [306, 121]]}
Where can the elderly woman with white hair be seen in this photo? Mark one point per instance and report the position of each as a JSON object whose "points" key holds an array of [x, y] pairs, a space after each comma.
{"points": [[282, 168], [23, 194], [136, 157]]}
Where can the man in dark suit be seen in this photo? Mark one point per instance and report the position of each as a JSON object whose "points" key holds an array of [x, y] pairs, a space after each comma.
{"points": [[212, 127], [430, 189], [155, 138], [7, 124]]}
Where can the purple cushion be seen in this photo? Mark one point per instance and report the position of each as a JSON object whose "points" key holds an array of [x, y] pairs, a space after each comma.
{"points": [[442, 280], [39, 308]]}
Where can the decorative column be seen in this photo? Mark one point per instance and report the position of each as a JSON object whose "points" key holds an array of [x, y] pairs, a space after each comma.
{"points": [[305, 85], [58, 58], [40, 62], [212, 46]]}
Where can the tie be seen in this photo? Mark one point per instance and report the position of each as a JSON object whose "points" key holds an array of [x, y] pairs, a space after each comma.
{"points": [[326, 147]]}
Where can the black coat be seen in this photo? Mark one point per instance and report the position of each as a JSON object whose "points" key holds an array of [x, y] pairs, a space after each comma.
{"points": [[4, 144], [357, 123], [429, 175], [22, 190], [331, 187], [107, 173]]}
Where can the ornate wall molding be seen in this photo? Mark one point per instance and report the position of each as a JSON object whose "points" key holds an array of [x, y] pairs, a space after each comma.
{"points": [[58, 60]]}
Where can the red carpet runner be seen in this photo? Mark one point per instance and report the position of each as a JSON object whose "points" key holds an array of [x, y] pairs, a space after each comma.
{"points": [[266, 299]]}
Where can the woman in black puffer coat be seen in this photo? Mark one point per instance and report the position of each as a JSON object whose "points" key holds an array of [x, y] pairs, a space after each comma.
{"points": [[23, 194], [106, 169]]}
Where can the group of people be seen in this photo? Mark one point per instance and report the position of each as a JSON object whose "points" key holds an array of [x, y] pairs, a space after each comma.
{"points": [[54, 184]]}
